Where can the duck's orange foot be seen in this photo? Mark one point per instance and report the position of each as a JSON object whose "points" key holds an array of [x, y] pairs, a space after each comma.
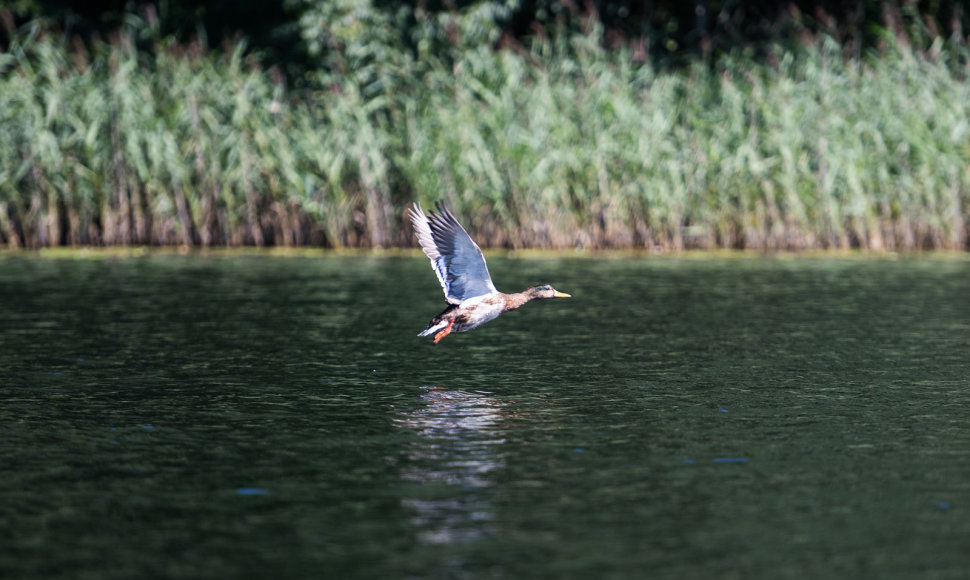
{"points": [[443, 332]]}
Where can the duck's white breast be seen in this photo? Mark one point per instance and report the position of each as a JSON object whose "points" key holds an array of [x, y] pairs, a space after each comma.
{"points": [[481, 309]]}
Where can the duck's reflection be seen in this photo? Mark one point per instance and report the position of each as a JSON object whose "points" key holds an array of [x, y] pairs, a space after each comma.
{"points": [[452, 461]]}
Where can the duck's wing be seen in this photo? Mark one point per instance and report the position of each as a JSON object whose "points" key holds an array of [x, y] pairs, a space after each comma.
{"points": [[456, 259]]}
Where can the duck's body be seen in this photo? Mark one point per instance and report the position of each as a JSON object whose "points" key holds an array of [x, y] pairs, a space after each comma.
{"points": [[473, 299], [476, 311], [470, 314]]}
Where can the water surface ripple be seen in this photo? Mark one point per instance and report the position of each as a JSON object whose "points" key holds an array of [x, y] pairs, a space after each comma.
{"points": [[252, 416]]}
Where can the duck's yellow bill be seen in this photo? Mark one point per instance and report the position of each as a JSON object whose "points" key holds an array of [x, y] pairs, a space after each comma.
{"points": [[561, 295]]}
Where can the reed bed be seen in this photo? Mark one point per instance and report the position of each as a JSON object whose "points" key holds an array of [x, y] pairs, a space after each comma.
{"points": [[561, 145]]}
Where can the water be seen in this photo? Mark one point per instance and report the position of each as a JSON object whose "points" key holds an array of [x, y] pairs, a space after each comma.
{"points": [[255, 417]]}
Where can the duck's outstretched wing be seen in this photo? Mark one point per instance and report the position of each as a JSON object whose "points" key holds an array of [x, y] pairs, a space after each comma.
{"points": [[456, 259]]}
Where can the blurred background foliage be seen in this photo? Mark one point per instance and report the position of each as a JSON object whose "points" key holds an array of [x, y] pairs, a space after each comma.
{"points": [[664, 125], [303, 35]]}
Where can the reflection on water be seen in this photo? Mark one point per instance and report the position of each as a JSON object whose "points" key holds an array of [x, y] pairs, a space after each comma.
{"points": [[777, 418], [452, 463]]}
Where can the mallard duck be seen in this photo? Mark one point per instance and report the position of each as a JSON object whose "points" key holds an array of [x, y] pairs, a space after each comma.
{"points": [[460, 266]]}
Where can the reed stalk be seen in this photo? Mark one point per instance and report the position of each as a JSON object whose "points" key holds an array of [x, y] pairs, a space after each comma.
{"points": [[562, 145]]}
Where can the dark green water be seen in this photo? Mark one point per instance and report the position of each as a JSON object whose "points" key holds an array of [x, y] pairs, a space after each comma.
{"points": [[258, 417]]}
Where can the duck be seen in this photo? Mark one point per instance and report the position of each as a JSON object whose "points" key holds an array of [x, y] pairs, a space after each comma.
{"points": [[460, 266]]}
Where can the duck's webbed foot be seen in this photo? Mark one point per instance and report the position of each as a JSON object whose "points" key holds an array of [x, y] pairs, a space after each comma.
{"points": [[443, 332]]}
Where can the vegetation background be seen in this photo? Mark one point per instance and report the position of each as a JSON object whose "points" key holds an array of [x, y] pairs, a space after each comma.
{"points": [[662, 125]]}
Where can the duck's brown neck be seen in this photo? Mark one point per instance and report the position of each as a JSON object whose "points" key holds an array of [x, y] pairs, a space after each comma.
{"points": [[516, 300]]}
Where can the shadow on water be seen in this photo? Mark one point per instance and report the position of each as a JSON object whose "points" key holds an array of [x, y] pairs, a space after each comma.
{"points": [[456, 453]]}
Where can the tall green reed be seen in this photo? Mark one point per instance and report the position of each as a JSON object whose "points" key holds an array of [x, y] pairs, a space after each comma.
{"points": [[561, 144]]}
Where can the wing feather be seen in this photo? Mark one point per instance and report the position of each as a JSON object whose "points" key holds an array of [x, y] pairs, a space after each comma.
{"points": [[456, 258]]}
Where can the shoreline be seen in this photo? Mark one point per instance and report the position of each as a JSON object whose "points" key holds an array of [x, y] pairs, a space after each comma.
{"points": [[128, 252]]}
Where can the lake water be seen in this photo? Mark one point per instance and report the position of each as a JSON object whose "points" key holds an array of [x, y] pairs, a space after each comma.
{"points": [[276, 417]]}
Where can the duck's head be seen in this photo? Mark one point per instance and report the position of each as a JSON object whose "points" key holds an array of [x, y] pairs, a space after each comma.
{"points": [[545, 291]]}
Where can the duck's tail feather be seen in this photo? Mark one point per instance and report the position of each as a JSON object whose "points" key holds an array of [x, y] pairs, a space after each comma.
{"points": [[434, 327]]}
